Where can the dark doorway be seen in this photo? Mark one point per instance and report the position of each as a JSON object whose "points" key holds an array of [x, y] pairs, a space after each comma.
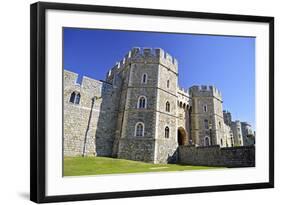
{"points": [[182, 137]]}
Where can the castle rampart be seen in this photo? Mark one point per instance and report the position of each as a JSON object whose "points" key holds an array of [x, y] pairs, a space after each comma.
{"points": [[146, 56], [205, 91], [216, 156], [89, 116], [139, 112]]}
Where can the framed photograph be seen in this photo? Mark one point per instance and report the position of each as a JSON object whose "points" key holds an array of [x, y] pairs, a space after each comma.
{"points": [[129, 102]]}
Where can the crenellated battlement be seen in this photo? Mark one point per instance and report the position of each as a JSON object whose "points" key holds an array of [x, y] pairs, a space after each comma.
{"points": [[183, 91], [205, 91], [146, 56], [70, 80]]}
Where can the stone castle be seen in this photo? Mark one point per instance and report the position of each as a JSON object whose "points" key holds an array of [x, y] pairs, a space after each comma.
{"points": [[140, 113]]}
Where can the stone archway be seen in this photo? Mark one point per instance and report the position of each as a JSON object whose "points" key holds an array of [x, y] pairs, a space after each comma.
{"points": [[182, 136]]}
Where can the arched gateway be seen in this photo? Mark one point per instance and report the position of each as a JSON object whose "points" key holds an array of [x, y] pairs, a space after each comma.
{"points": [[182, 136]]}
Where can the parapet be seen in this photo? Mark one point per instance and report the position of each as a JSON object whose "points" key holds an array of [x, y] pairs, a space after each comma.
{"points": [[205, 91], [87, 83], [183, 91], [145, 55]]}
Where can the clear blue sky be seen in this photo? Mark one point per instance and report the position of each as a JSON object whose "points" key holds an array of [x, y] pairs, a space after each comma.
{"points": [[223, 61]]}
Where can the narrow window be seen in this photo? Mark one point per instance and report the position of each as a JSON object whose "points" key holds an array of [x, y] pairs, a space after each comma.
{"points": [[167, 107], [72, 97], [205, 108], [221, 142], [167, 132], [77, 99], [144, 78], [139, 129], [142, 102], [168, 83], [207, 141], [206, 124], [219, 124]]}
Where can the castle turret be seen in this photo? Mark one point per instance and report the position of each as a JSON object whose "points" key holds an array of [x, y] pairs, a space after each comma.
{"points": [[227, 117], [143, 56], [207, 127], [237, 133], [148, 105]]}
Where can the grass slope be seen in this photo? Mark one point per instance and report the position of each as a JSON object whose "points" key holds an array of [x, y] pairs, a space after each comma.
{"points": [[77, 166]]}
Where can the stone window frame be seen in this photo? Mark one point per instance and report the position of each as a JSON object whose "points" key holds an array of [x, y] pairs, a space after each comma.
{"points": [[167, 132], [209, 143], [168, 106], [137, 131], [205, 108], [206, 124], [139, 103], [168, 83], [75, 98], [144, 76]]}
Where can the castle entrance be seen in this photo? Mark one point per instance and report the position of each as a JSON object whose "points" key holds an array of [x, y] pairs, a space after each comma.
{"points": [[182, 136]]}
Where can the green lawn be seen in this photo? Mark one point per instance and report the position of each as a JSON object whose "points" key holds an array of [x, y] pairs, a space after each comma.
{"points": [[77, 166]]}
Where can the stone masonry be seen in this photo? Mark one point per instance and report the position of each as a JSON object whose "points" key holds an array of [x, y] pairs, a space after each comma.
{"points": [[140, 113]]}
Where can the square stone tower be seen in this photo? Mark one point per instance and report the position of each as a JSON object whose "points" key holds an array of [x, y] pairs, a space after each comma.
{"points": [[207, 127], [147, 119]]}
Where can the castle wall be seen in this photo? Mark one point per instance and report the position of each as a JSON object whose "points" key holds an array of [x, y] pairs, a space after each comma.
{"points": [[89, 126], [183, 112], [165, 147], [216, 156], [104, 121]]}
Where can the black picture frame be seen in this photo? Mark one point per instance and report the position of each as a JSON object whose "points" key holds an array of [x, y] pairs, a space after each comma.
{"points": [[38, 101]]}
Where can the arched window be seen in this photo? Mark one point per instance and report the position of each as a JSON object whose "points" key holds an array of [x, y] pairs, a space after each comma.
{"points": [[180, 104], [167, 132], [75, 98], [167, 106], [144, 78], [139, 129], [142, 102], [205, 108], [206, 124], [183, 106], [207, 141], [168, 83], [72, 97]]}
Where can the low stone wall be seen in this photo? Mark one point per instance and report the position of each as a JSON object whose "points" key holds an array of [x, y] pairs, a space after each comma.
{"points": [[216, 156]]}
